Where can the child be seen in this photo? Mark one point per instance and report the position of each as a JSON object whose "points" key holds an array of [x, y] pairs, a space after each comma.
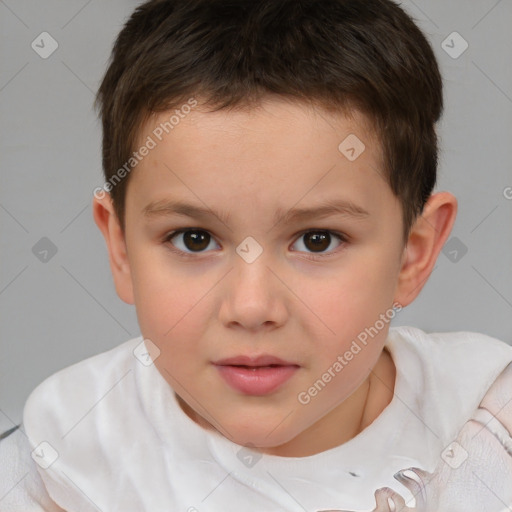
{"points": [[266, 376]]}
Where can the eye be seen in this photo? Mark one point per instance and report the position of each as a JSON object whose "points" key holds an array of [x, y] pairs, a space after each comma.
{"points": [[193, 240], [319, 240], [189, 241]]}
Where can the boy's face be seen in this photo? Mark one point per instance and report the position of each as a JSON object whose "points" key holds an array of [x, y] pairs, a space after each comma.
{"points": [[207, 294]]}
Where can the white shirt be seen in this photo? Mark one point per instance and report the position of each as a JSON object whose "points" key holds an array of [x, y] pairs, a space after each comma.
{"points": [[115, 438]]}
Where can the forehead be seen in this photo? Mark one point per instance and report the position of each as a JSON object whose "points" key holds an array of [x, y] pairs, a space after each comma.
{"points": [[275, 155], [286, 122]]}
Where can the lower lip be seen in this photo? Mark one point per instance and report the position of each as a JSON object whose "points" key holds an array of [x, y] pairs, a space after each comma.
{"points": [[261, 380]]}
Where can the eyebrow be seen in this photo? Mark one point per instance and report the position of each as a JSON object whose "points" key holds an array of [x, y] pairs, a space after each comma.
{"points": [[327, 208]]}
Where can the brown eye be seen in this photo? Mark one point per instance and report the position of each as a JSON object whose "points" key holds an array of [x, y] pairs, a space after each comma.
{"points": [[193, 240], [187, 242], [319, 241]]}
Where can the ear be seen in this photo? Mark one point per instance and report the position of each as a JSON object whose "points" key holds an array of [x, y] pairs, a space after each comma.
{"points": [[106, 219], [426, 239]]}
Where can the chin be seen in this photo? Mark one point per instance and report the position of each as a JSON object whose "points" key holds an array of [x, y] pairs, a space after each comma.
{"points": [[262, 435]]}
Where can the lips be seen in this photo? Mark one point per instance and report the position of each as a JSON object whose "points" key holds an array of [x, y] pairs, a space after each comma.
{"points": [[262, 360], [255, 376]]}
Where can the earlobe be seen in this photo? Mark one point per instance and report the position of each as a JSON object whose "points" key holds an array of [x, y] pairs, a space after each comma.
{"points": [[426, 239], [108, 223]]}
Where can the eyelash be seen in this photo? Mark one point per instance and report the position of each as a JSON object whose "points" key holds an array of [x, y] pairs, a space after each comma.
{"points": [[311, 256]]}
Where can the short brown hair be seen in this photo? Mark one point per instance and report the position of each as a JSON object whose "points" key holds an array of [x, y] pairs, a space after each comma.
{"points": [[338, 54]]}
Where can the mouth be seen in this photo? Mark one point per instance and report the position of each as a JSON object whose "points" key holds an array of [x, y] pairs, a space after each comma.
{"points": [[254, 361], [248, 367], [256, 376]]}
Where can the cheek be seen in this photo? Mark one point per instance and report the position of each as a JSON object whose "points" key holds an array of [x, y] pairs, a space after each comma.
{"points": [[160, 285], [356, 306], [166, 299], [173, 312], [356, 296]]}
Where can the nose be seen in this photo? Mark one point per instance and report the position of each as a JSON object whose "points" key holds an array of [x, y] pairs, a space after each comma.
{"points": [[254, 296]]}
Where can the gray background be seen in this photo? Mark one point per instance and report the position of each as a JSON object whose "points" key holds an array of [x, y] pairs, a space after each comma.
{"points": [[59, 310]]}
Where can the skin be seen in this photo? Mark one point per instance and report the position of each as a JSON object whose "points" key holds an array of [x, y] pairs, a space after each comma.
{"points": [[213, 304]]}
